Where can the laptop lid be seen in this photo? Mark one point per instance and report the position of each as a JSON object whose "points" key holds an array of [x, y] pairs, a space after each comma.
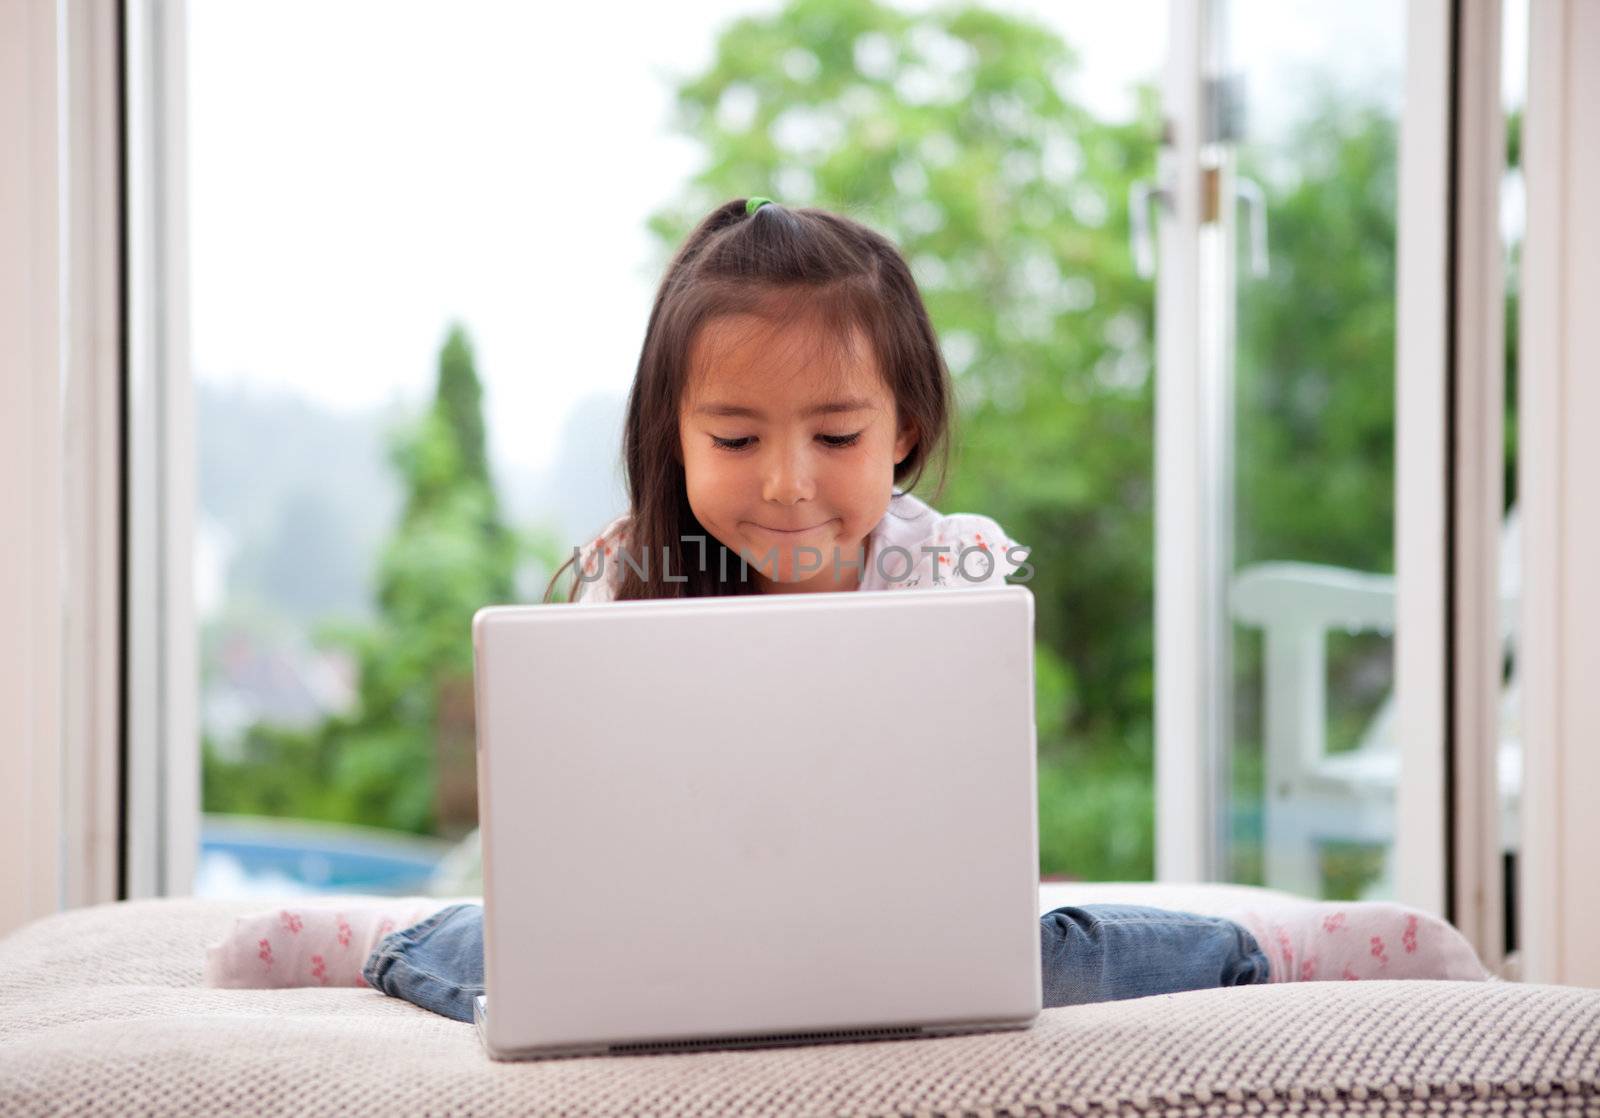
{"points": [[766, 816]]}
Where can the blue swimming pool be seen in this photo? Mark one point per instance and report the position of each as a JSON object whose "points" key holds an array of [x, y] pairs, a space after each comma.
{"points": [[249, 856]]}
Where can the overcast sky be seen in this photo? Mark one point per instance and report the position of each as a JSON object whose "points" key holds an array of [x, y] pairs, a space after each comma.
{"points": [[363, 172]]}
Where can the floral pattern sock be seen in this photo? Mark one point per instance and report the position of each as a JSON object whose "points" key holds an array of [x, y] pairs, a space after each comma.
{"points": [[1331, 940], [315, 944]]}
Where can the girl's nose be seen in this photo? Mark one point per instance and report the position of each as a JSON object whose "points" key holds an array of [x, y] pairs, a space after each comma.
{"points": [[788, 476]]}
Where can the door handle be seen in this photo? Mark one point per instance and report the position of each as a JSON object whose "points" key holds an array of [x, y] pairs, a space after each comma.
{"points": [[1254, 199], [1140, 238]]}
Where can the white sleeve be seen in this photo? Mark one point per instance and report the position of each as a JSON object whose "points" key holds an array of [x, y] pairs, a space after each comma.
{"points": [[597, 590], [963, 551], [599, 567]]}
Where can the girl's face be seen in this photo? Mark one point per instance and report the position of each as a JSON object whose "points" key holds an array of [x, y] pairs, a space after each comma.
{"points": [[789, 441]]}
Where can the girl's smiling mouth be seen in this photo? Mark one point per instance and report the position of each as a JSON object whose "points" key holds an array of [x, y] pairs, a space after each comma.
{"points": [[790, 531]]}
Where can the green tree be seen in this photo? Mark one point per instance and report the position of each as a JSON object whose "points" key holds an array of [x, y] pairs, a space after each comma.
{"points": [[397, 757], [1315, 367]]}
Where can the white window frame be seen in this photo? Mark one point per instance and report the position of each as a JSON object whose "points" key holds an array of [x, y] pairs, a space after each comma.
{"points": [[1186, 619], [1423, 467], [1558, 456], [60, 433], [92, 444], [1476, 874], [163, 753]]}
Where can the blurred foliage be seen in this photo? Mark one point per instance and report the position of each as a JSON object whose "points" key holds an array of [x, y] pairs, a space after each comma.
{"points": [[1315, 369], [955, 133], [449, 554]]}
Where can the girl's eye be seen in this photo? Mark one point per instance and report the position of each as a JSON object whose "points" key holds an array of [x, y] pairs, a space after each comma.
{"points": [[838, 442]]}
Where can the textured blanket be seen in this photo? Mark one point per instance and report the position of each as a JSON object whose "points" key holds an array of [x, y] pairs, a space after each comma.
{"points": [[102, 1011]]}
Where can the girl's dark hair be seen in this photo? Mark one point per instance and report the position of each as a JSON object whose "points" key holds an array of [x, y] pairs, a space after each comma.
{"points": [[775, 263]]}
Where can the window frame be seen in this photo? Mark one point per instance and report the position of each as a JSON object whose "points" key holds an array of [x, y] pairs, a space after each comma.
{"points": [[1559, 339], [162, 757]]}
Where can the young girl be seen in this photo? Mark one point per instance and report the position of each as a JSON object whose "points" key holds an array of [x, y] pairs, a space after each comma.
{"points": [[789, 393]]}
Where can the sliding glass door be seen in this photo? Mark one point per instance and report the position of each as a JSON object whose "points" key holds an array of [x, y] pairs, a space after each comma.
{"points": [[1278, 760]]}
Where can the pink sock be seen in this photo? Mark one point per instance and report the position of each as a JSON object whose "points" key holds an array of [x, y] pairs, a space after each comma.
{"points": [[1321, 940], [314, 944]]}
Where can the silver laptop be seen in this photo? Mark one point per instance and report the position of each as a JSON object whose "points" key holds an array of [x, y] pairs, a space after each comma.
{"points": [[759, 820]]}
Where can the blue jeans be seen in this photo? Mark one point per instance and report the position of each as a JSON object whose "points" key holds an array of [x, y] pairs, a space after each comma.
{"points": [[1093, 953]]}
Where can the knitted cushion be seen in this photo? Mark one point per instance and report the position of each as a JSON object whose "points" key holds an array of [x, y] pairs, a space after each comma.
{"points": [[101, 1009]]}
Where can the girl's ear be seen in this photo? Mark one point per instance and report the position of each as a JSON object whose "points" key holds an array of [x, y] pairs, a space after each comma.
{"points": [[905, 443]]}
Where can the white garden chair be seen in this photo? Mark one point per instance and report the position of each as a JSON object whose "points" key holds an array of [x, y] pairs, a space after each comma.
{"points": [[1312, 796]]}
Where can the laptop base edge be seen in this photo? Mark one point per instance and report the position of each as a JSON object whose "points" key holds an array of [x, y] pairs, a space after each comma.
{"points": [[753, 1040]]}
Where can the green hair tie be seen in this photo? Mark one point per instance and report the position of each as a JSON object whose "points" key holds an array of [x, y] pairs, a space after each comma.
{"points": [[753, 204]]}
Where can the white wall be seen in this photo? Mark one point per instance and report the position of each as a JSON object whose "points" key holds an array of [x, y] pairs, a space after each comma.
{"points": [[30, 477]]}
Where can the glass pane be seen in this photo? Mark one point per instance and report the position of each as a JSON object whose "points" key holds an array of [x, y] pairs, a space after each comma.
{"points": [[422, 268], [1309, 184], [408, 387]]}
